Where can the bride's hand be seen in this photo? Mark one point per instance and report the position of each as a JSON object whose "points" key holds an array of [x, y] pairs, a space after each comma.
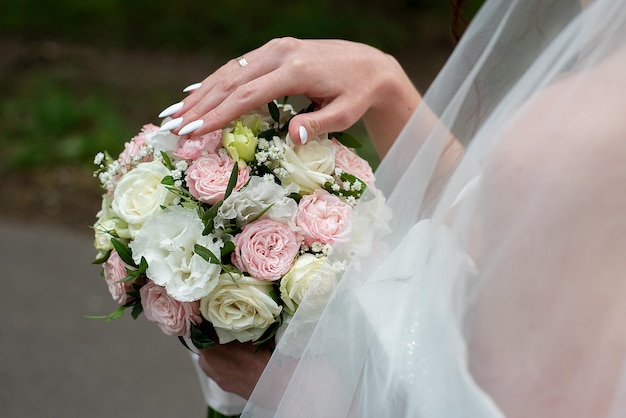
{"points": [[346, 81], [236, 367]]}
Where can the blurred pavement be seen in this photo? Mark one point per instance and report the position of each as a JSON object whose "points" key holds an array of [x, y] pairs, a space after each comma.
{"points": [[56, 363]]}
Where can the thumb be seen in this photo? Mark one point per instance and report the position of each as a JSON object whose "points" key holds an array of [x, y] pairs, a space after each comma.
{"points": [[330, 118]]}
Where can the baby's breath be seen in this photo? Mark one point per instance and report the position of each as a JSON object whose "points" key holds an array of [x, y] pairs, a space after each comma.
{"points": [[176, 174], [281, 173], [98, 159], [263, 144], [182, 165]]}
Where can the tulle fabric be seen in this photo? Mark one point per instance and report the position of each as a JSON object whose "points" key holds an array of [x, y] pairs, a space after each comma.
{"points": [[498, 287]]}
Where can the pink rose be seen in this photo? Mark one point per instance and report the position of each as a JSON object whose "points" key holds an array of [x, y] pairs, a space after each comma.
{"points": [[324, 218], [193, 148], [208, 177], [173, 317], [350, 162], [265, 249], [131, 154], [114, 272]]}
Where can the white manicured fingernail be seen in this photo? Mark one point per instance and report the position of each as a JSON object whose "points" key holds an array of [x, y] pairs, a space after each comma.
{"points": [[304, 135], [170, 110], [190, 127], [192, 87], [171, 124]]}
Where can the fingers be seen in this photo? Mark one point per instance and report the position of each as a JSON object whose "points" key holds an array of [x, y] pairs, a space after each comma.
{"points": [[282, 67], [216, 114], [336, 116], [208, 94]]}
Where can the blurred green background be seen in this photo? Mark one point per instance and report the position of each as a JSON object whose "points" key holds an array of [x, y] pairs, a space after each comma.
{"points": [[78, 77]]}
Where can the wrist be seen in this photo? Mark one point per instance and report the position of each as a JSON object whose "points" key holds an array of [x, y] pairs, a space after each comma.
{"points": [[395, 98]]}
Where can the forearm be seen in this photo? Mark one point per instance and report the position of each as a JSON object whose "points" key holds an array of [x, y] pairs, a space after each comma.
{"points": [[396, 100]]}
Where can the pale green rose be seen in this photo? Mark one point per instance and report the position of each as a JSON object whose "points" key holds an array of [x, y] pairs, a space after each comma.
{"points": [[311, 275], [253, 121], [240, 308], [240, 142]]}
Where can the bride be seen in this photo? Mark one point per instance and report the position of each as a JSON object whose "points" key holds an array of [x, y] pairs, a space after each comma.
{"points": [[498, 288]]}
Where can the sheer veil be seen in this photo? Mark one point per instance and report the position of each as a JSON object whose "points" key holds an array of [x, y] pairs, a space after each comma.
{"points": [[497, 287]]}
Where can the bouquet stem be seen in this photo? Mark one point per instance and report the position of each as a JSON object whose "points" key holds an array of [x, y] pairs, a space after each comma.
{"points": [[212, 413]]}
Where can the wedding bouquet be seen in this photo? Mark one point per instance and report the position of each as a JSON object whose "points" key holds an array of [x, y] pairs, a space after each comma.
{"points": [[218, 238]]}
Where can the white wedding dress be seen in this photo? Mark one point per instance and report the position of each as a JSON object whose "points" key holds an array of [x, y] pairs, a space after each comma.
{"points": [[497, 288]]}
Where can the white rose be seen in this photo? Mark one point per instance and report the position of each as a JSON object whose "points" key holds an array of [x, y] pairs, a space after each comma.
{"points": [[167, 243], [249, 202], [310, 276], [240, 308], [309, 166], [140, 195]]}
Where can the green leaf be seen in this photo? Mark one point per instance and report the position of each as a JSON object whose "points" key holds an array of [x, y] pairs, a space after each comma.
{"points": [[263, 212], [168, 181], [143, 266], [274, 112], [167, 161], [274, 295], [102, 259], [269, 134], [124, 252], [228, 248], [137, 310], [346, 139], [270, 332], [130, 277], [206, 254], [232, 181], [199, 338], [208, 219], [296, 197]]}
